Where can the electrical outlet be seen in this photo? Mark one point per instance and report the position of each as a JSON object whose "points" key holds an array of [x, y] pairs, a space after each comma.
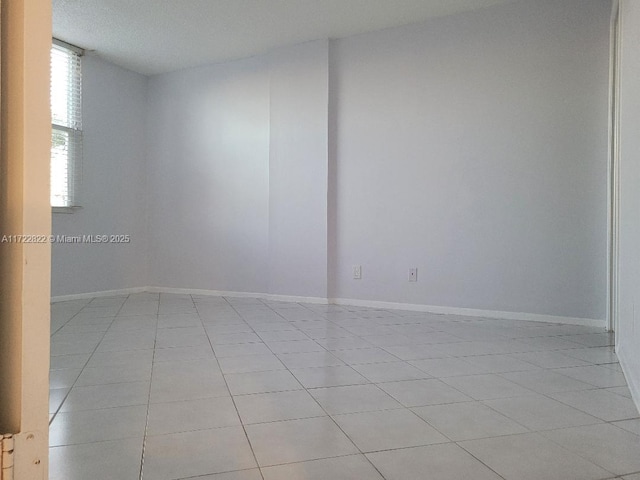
{"points": [[413, 274], [357, 272]]}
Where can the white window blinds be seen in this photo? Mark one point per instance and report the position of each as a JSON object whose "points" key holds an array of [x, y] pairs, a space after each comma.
{"points": [[66, 122]]}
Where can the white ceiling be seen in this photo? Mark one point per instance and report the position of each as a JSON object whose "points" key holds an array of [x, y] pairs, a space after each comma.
{"points": [[155, 36]]}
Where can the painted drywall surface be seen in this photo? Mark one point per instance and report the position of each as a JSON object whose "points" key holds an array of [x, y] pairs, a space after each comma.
{"points": [[628, 335], [208, 173], [113, 194], [298, 170], [471, 147], [474, 148]]}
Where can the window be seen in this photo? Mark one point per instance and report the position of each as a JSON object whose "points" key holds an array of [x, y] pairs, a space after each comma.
{"points": [[66, 123]]}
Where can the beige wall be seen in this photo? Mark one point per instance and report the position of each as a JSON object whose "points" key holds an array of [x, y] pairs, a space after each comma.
{"points": [[25, 210]]}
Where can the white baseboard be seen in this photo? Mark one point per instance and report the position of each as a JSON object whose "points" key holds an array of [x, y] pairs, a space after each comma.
{"points": [[103, 293], [295, 299], [469, 312], [632, 376], [222, 293]]}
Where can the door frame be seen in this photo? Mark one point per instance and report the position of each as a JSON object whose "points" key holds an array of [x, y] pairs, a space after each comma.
{"points": [[25, 218], [613, 172]]}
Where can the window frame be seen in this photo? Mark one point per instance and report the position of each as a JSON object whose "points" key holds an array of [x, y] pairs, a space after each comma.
{"points": [[74, 174]]}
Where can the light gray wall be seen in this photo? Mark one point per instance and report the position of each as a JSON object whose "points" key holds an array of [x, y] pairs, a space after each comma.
{"points": [[114, 193], [474, 147], [628, 334], [208, 171], [298, 170], [238, 175]]}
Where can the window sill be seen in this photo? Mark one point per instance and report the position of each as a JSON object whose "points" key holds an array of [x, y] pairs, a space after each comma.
{"points": [[65, 209]]}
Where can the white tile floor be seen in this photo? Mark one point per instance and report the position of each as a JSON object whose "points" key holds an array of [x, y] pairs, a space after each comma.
{"points": [[155, 386]]}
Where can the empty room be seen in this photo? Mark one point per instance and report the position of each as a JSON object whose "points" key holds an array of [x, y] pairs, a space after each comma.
{"points": [[309, 240]]}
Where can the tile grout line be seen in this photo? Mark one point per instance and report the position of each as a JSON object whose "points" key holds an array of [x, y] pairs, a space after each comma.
{"points": [[297, 328], [86, 363], [71, 318], [314, 399], [338, 426], [253, 453], [146, 422], [332, 420]]}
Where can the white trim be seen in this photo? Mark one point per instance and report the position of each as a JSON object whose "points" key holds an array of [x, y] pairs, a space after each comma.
{"points": [[414, 307], [610, 168], [613, 171], [632, 375], [210, 293], [70, 209], [472, 312], [616, 210], [68, 46], [223, 293], [294, 299], [103, 293]]}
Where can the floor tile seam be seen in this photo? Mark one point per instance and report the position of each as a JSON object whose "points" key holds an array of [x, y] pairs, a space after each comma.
{"points": [[341, 430], [368, 382], [590, 365], [235, 406], [246, 343], [194, 430], [528, 430], [294, 419], [179, 327], [389, 409], [286, 390], [82, 370], [200, 476], [331, 457], [251, 343], [95, 409], [397, 359], [65, 323], [510, 355], [59, 332], [535, 433], [371, 347], [582, 456], [420, 445], [93, 442], [111, 382], [472, 374], [591, 386], [146, 425], [450, 386], [585, 347], [549, 396], [103, 409], [289, 370], [439, 404], [59, 336], [479, 460], [601, 422], [500, 375], [386, 382]]}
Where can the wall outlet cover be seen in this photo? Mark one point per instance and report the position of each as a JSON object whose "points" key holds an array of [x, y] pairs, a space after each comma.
{"points": [[413, 274], [357, 272]]}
